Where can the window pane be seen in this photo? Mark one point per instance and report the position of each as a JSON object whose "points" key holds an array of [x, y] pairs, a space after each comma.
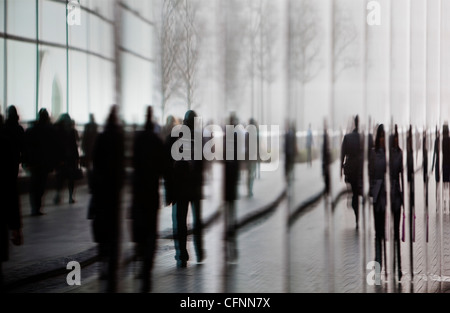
{"points": [[22, 78], [78, 87], [103, 7], [22, 18], [101, 87], [52, 81], [138, 34], [52, 21], [2, 80], [136, 88], [101, 37], [2, 16], [78, 34]]}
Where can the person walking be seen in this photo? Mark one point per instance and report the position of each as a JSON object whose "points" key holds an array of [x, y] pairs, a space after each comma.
{"points": [[105, 207], [378, 191], [446, 165], [148, 168], [436, 164], [351, 165], [397, 192]]}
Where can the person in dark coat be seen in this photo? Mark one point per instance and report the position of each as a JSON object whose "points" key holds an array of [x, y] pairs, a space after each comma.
{"points": [[11, 217], [326, 159], [378, 191], [351, 165], [68, 156], [40, 158], [231, 194], [148, 169], [425, 165], [16, 133], [411, 183], [397, 192], [290, 151], [184, 188], [436, 164], [90, 133], [107, 182], [445, 164]]}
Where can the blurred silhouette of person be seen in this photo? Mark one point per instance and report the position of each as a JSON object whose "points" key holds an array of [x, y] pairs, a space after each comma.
{"points": [[16, 133], [370, 145], [251, 160], [309, 145], [107, 183], [167, 128], [90, 133], [68, 156], [445, 163], [351, 165], [11, 217], [231, 193], [397, 192], [40, 158], [148, 168], [436, 164], [425, 165], [410, 176], [417, 144], [326, 158], [290, 150], [378, 190], [186, 184]]}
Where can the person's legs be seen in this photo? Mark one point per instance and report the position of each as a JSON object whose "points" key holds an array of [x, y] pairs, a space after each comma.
{"points": [[180, 231], [355, 201], [198, 229]]}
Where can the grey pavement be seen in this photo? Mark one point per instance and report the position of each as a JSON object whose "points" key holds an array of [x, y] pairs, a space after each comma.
{"points": [[321, 251]]}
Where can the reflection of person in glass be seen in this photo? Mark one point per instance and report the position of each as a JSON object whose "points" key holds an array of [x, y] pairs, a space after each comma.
{"points": [[397, 188], [378, 192]]}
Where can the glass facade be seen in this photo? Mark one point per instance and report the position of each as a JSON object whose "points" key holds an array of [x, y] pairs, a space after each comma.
{"points": [[45, 62]]}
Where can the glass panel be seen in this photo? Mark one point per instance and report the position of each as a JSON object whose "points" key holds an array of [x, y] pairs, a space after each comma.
{"points": [[22, 78], [52, 81], [78, 87], [2, 80], [2, 15], [136, 88], [78, 34], [102, 7], [22, 18], [52, 21], [101, 37], [101, 87], [137, 34]]}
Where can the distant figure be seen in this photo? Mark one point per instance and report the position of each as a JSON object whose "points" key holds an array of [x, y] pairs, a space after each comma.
{"points": [[370, 145], [16, 133], [11, 217], [167, 128], [290, 150], [425, 165], [186, 188], [417, 144], [351, 165], [107, 182], [446, 164], [87, 143], [378, 191], [68, 156], [309, 145], [397, 191], [231, 193], [326, 158], [436, 164], [410, 176], [251, 163], [148, 168], [40, 158]]}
